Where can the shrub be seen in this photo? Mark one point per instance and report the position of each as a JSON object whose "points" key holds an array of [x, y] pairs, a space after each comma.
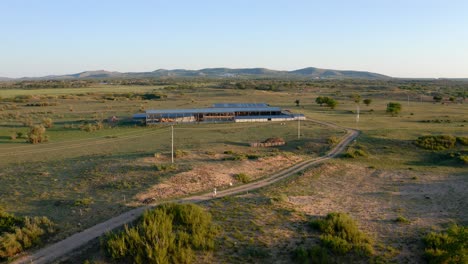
{"points": [[242, 177], [84, 202], [354, 152], [165, 167], [18, 234], [47, 122], [315, 254], [88, 127], [402, 219], [462, 141], [167, 234], [252, 156], [36, 134], [180, 153], [332, 140], [342, 235], [440, 142], [447, 247]]}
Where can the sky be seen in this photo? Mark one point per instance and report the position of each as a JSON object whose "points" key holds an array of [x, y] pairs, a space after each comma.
{"points": [[410, 38]]}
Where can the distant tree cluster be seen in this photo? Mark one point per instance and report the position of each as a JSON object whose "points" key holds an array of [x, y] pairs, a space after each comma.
{"points": [[330, 102], [393, 108]]}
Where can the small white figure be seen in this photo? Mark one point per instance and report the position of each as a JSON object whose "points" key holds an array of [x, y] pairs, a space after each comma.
{"points": [[214, 192], [230, 183]]}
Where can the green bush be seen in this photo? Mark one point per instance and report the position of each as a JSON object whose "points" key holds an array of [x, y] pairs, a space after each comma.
{"points": [[36, 134], [336, 244], [332, 140], [242, 177], [84, 202], [342, 235], [353, 152], [462, 141], [440, 142], [165, 167], [447, 247], [315, 254], [167, 234], [402, 219], [180, 153], [18, 234]]}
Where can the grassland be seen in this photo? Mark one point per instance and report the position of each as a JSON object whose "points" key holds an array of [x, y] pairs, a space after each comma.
{"points": [[105, 167]]}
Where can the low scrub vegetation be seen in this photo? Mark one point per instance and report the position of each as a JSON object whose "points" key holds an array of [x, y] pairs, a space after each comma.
{"points": [[447, 247], [88, 127], [242, 177], [341, 235], [440, 142], [37, 134], [401, 219], [355, 152], [165, 167], [167, 234], [20, 233]]}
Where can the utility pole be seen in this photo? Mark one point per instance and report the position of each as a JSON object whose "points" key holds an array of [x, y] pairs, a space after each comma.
{"points": [[357, 113], [298, 128], [172, 143]]}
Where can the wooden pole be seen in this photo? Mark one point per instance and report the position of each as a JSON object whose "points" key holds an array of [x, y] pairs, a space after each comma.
{"points": [[172, 143], [298, 128]]}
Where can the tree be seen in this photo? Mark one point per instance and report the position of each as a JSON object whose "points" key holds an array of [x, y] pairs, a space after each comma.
{"points": [[36, 134], [320, 100], [332, 103], [297, 102], [356, 98], [393, 108], [437, 98], [367, 101]]}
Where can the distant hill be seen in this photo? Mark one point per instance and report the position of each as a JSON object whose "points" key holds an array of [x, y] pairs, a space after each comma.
{"points": [[306, 73]]}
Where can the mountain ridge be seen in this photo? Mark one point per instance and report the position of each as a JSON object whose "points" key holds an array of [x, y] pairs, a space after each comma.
{"points": [[305, 73]]}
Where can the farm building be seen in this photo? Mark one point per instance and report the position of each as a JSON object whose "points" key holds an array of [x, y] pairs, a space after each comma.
{"points": [[225, 112]]}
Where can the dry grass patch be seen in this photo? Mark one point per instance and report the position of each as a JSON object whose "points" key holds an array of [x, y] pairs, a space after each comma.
{"points": [[205, 176]]}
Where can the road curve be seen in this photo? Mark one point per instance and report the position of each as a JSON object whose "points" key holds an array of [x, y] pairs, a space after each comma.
{"points": [[62, 248]]}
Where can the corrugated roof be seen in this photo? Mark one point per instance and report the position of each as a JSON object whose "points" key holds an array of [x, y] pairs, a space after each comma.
{"points": [[239, 105], [263, 117], [139, 116], [214, 110]]}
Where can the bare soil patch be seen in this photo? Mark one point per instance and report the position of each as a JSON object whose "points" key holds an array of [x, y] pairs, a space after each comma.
{"points": [[216, 174]]}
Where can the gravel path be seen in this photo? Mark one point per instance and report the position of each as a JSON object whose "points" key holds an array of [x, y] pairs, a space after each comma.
{"points": [[62, 248]]}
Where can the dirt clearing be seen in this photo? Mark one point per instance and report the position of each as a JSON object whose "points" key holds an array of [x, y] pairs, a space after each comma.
{"points": [[216, 174]]}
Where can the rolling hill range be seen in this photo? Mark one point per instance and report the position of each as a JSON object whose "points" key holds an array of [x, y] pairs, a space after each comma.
{"points": [[306, 73]]}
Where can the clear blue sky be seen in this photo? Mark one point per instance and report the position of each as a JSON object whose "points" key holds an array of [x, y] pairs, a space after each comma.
{"points": [[410, 38]]}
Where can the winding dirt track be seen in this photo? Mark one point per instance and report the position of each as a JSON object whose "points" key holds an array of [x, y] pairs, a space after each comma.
{"points": [[68, 245]]}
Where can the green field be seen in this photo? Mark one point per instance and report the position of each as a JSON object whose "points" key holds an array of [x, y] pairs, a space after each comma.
{"points": [[108, 167]]}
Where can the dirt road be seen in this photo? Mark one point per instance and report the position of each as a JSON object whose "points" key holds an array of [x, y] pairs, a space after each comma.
{"points": [[68, 245]]}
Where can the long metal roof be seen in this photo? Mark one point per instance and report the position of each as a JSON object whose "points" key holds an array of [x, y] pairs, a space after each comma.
{"points": [[264, 116], [239, 105], [214, 110]]}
